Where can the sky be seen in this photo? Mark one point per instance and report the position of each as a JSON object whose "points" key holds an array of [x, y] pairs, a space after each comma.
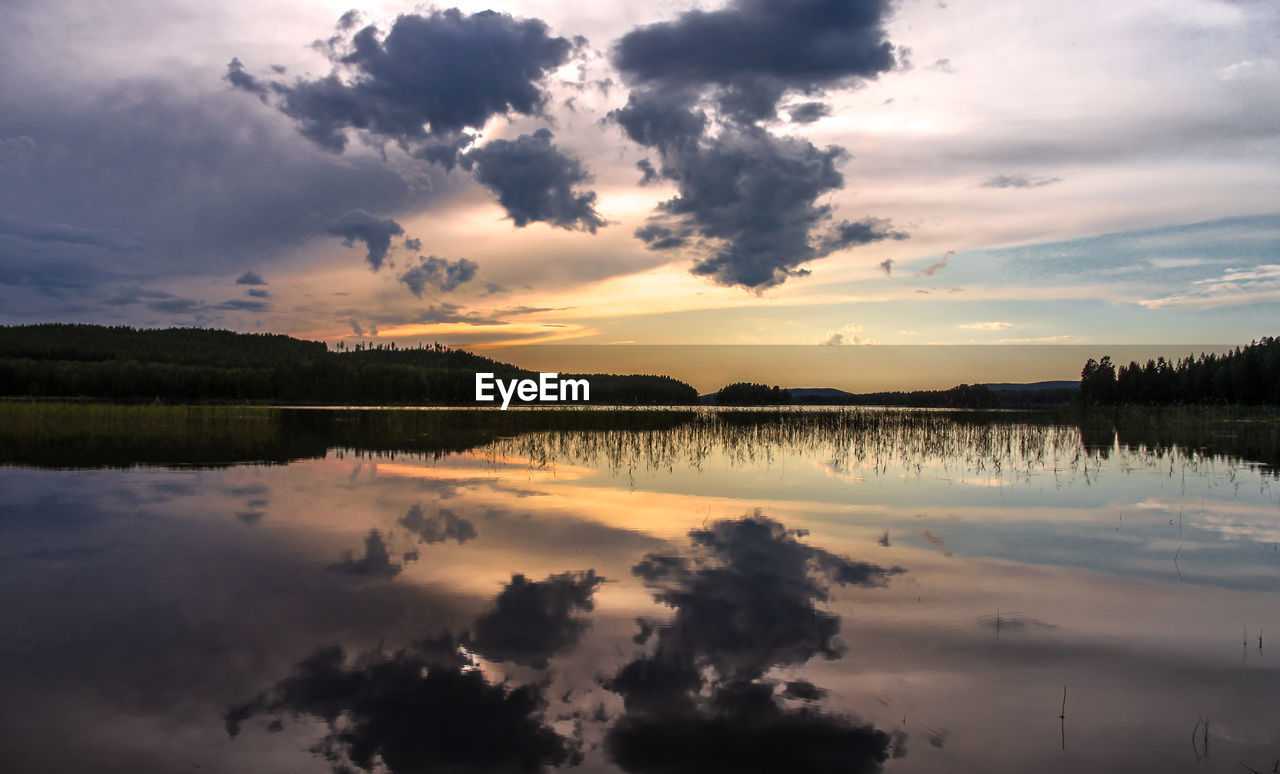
{"points": [[839, 172]]}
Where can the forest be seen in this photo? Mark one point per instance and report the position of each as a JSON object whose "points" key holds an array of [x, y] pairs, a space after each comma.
{"points": [[960, 396], [977, 396], [751, 394], [1246, 376], [206, 365]]}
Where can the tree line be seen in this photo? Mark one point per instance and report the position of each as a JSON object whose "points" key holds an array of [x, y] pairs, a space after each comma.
{"points": [[198, 364], [751, 394], [977, 396], [1248, 375], [961, 396]]}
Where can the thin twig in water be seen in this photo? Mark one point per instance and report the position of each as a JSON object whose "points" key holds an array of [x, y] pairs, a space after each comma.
{"points": [[1062, 719]]}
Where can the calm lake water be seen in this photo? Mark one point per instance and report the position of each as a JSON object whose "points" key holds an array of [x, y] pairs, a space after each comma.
{"points": [[847, 591]]}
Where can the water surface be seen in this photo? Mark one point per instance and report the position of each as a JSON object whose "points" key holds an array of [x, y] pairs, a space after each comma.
{"points": [[809, 592]]}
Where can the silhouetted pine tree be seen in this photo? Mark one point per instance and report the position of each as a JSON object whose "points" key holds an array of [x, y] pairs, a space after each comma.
{"points": [[1247, 375]]}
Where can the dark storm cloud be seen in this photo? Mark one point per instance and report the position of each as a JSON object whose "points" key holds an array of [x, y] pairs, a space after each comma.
{"points": [[531, 621], [452, 313], [804, 691], [755, 195], [250, 277], [349, 19], [1019, 181], [242, 305], [442, 312], [808, 112], [238, 78], [744, 598], [147, 127], [659, 237], [52, 278], [647, 172], [376, 562], [35, 231], [439, 273], [862, 232], [258, 293], [375, 232], [661, 120], [442, 526], [535, 181], [423, 85], [760, 47], [755, 50], [423, 708], [167, 303], [144, 179], [752, 198]]}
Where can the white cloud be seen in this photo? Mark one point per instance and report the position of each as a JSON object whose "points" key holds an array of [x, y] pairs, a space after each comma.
{"points": [[1041, 340], [847, 334], [1249, 69], [987, 326], [1234, 288]]}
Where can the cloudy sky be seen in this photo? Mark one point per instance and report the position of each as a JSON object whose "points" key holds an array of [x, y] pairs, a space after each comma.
{"points": [[761, 171]]}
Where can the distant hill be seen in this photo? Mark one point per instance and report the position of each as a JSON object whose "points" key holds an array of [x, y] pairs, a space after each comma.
{"points": [[201, 364], [801, 394], [1003, 395], [831, 393], [960, 396]]}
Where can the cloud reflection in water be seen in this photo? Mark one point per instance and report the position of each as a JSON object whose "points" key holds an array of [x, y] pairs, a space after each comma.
{"points": [[744, 592]]}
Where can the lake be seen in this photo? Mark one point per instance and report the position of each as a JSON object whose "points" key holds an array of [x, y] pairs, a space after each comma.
{"points": [[236, 590]]}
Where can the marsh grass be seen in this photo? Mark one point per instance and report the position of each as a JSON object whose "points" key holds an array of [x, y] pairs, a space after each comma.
{"points": [[1009, 445], [72, 435], [878, 439], [996, 443]]}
